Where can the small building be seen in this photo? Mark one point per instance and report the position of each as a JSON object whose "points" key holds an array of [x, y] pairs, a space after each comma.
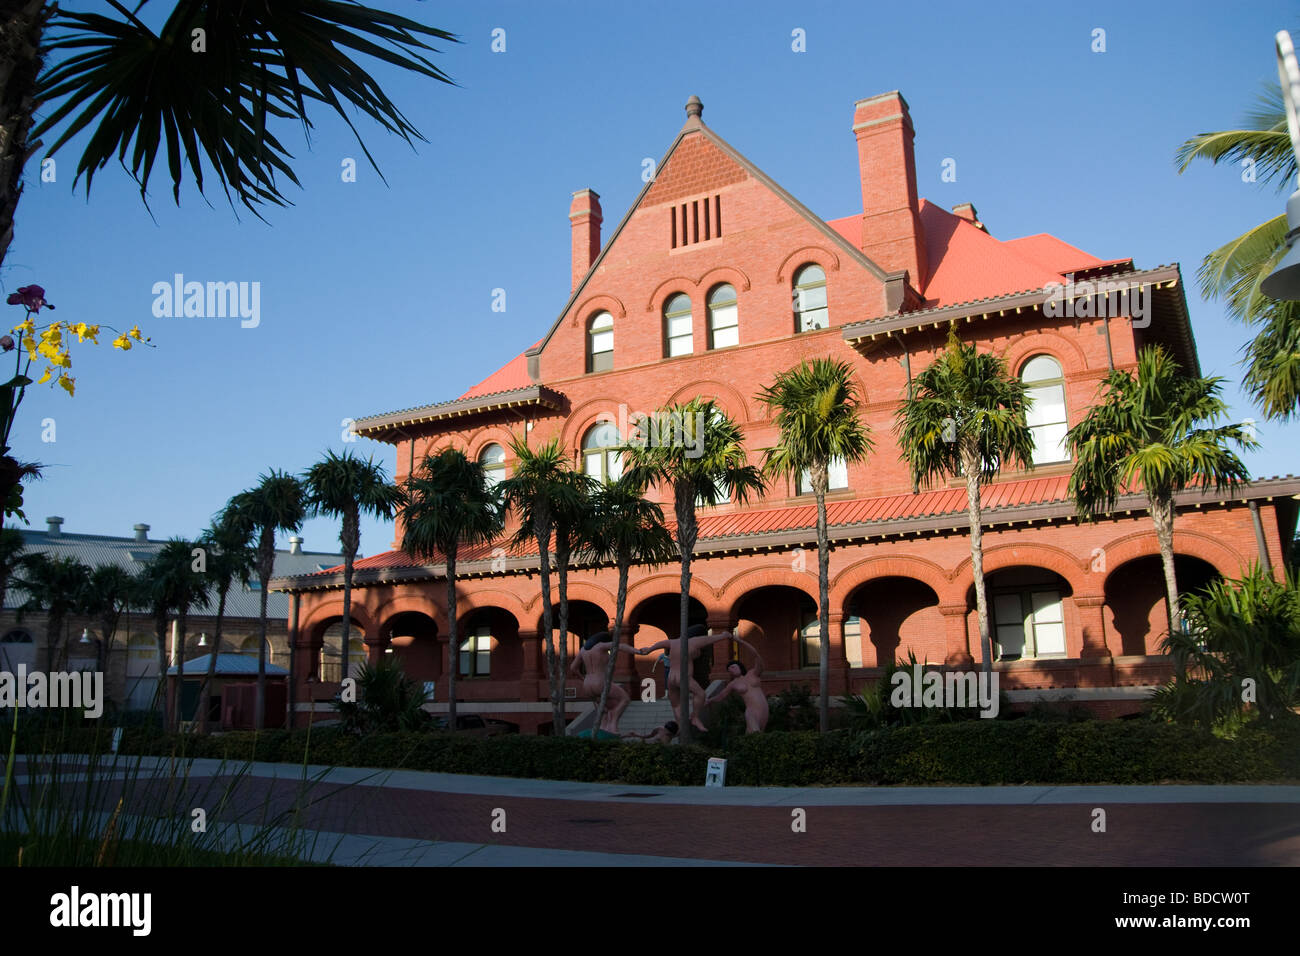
{"points": [[234, 686]]}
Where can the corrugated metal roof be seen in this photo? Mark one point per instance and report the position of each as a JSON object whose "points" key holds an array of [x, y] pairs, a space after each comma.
{"points": [[229, 665], [132, 555]]}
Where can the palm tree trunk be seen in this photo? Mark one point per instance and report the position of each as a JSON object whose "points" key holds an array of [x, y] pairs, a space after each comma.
{"points": [[160, 692], [205, 693], [1162, 513], [21, 25], [684, 504], [821, 480], [562, 572], [265, 567], [351, 542], [971, 465], [182, 621], [544, 563], [453, 644], [53, 625], [620, 602]]}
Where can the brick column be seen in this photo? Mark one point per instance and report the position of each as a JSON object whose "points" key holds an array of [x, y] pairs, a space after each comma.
{"points": [[375, 646], [532, 676], [957, 638], [625, 664], [838, 678], [1093, 623]]}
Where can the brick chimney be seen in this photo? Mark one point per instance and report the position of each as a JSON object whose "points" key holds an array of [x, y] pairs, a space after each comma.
{"points": [[967, 211], [584, 220], [891, 221]]}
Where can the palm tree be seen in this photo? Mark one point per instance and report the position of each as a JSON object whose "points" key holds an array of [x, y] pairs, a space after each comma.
{"points": [[11, 553], [570, 502], [207, 94], [230, 559], [623, 528], [57, 587], [110, 590], [966, 417], [175, 585], [448, 502], [816, 407], [536, 490], [704, 461], [1156, 430], [1235, 270], [276, 504], [345, 486]]}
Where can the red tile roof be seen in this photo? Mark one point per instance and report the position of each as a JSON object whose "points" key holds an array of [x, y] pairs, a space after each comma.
{"points": [[512, 375], [967, 264], [943, 501]]}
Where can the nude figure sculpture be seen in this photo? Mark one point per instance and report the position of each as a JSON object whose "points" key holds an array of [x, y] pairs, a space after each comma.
{"points": [[594, 656], [698, 638], [748, 683]]}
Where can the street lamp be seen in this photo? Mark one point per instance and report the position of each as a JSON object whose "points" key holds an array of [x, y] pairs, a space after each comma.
{"points": [[1284, 281]]}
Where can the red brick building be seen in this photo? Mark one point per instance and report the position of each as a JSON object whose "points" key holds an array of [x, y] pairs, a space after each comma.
{"points": [[716, 279]]}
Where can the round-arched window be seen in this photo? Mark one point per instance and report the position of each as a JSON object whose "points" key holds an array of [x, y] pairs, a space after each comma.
{"points": [[724, 318], [493, 460], [601, 458], [810, 299], [677, 326], [600, 342], [1045, 389]]}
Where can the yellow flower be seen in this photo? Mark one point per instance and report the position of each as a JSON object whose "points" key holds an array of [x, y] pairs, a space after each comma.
{"points": [[122, 342], [63, 360], [92, 331], [44, 378], [26, 326], [29, 344], [49, 349], [83, 331], [135, 333], [69, 383]]}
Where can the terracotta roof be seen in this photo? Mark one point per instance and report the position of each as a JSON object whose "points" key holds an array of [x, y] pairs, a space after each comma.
{"points": [[838, 513], [512, 375]]}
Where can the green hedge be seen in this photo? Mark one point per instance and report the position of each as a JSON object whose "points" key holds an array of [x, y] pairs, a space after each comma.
{"points": [[971, 752]]}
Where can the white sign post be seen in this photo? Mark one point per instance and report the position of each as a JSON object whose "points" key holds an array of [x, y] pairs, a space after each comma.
{"points": [[717, 773]]}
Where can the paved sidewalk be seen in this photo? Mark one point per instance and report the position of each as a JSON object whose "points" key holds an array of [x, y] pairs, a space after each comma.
{"points": [[396, 817]]}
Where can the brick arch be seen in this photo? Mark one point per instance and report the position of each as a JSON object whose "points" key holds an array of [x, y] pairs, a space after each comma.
{"points": [[581, 419], [717, 276], [405, 603], [668, 287], [734, 591], [491, 435], [822, 256], [334, 608], [578, 591], [1067, 352], [1194, 544], [725, 396], [601, 302], [1046, 556], [479, 598], [869, 569], [669, 583]]}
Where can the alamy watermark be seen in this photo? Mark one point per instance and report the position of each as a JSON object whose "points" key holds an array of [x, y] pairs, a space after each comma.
{"points": [[952, 689], [660, 429], [1099, 299], [212, 300], [81, 690]]}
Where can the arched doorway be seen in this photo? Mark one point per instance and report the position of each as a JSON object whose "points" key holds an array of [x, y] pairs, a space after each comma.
{"points": [[413, 637], [885, 618], [1027, 615], [658, 618], [1137, 610]]}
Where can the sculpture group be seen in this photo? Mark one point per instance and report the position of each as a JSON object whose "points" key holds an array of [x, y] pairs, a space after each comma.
{"points": [[747, 682]]}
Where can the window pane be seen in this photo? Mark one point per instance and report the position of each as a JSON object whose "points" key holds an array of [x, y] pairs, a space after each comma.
{"points": [[722, 295], [1046, 406], [814, 319], [679, 325], [602, 320], [1049, 443], [591, 464], [804, 487], [680, 345], [602, 342], [1050, 639], [724, 316], [1006, 609], [725, 338], [1047, 607], [838, 473], [615, 460], [1040, 368], [1011, 640], [602, 435]]}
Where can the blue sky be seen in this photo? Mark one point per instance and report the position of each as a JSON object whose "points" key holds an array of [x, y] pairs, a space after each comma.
{"points": [[379, 297]]}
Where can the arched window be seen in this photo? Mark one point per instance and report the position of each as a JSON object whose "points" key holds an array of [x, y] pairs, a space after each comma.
{"points": [[1046, 413], [724, 318], [249, 649], [601, 458], [677, 326], [810, 299], [493, 460], [600, 342]]}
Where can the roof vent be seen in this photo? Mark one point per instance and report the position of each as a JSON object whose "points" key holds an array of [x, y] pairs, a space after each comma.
{"points": [[52, 524], [142, 532], [295, 545]]}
